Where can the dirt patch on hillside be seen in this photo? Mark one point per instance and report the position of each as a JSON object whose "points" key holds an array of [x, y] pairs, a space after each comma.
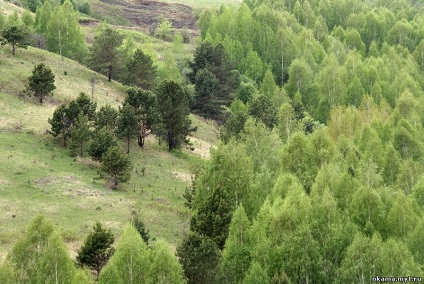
{"points": [[145, 13]]}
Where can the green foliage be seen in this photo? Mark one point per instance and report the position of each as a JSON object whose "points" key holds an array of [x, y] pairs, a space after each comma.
{"points": [[106, 117], [103, 139], [263, 109], [130, 261], [104, 55], [164, 29], [213, 80], [127, 125], [117, 164], [199, 257], [140, 71], [97, 249], [173, 107], [164, 267], [41, 82], [16, 36], [236, 254], [80, 131], [64, 35], [145, 106], [40, 256], [139, 226]]}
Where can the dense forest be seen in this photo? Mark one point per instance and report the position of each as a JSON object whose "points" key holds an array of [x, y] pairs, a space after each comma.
{"points": [[318, 177]]}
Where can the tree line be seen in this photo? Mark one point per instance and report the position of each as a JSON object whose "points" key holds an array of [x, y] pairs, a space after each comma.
{"points": [[41, 256]]}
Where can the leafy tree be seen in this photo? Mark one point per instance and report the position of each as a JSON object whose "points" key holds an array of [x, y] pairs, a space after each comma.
{"points": [[199, 257], [256, 274], [236, 254], [42, 17], [16, 36], [107, 118], [130, 261], [104, 55], [26, 254], [117, 164], [41, 83], [173, 107], [41, 256], [97, 248], [234, 126], [140, 71], [103, 139], [66, 115], [164, 29], [64, 35], [164, 267], [127, 124], [215, 60]]}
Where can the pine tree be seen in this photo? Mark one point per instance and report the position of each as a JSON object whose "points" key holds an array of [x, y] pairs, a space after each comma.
{"points": [[104, 54], [117, 164], [140, 71], [41, 83], [16, 36], [173, 107], [127, 127], [97, 249]]}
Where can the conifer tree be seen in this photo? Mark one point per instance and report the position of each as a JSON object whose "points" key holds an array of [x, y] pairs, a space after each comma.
{"points": [[41, 83], [104, 54], [97, 249]]}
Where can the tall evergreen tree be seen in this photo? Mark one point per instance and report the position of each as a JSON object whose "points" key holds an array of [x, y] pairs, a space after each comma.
{"points": [[140, 71], [173, 107], [104, 54], [127, 127]]}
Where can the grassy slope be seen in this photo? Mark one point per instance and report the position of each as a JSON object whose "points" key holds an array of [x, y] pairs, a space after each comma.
{"points": [[38, 176]]}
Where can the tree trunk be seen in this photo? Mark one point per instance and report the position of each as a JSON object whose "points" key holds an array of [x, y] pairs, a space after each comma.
{"points": [[140, 141], [13, 49], [115, 182], [41, 99], [109, 73], [128, 145], [81, 148]]}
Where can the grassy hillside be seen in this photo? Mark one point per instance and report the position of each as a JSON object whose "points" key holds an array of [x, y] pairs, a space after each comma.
{"points": [[37, 176]]}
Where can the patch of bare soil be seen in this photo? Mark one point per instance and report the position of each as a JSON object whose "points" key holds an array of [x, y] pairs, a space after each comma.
{"points": [[145, 14]]}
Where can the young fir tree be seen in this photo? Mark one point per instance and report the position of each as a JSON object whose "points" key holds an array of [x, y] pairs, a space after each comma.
{"points": [[97, 249], [41, 83], [117, 164], [103, 139]]}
